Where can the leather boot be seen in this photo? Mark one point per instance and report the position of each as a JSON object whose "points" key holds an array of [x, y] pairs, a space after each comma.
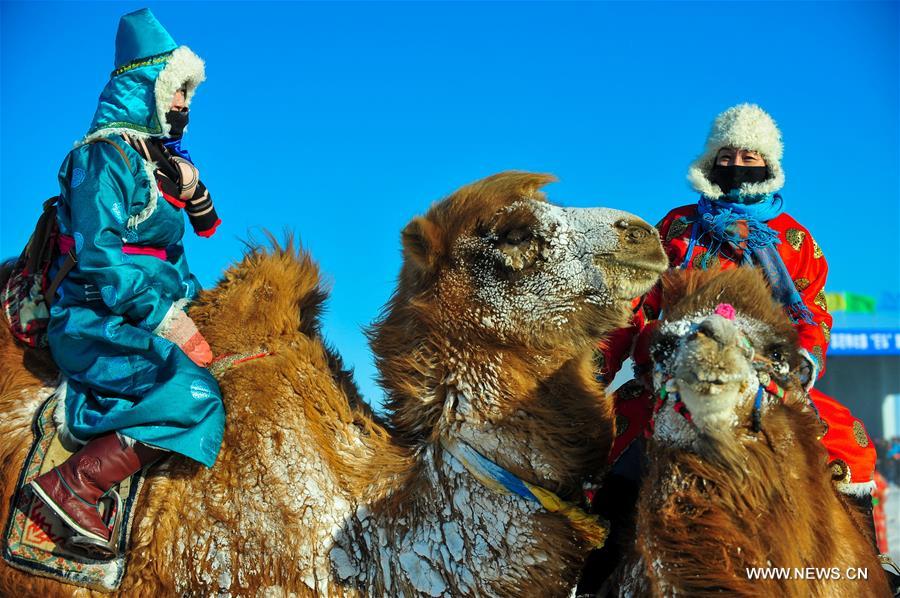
{"points": [[73, 489]]}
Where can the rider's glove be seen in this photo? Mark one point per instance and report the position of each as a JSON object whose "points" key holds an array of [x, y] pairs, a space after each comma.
{"points": [[179, 328]]}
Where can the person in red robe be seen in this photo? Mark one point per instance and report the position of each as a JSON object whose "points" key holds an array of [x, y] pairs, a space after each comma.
{"points": [[739, 220]]}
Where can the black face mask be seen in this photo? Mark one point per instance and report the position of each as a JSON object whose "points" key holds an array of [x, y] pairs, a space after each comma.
{"points": [[732, 177], [177, 120]]}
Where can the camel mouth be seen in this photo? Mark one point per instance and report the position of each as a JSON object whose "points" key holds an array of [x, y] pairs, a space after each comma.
{"points": [[637, 278], [654, 266], [712, 380], [627, 292], [634, 274], [713, 404], [709, 379]]}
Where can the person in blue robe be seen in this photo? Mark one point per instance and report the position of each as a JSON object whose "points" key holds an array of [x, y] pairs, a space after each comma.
{"points": [[133, 361]]}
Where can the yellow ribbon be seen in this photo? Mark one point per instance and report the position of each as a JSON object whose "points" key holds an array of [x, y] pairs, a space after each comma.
{"points": [[496, 478]]}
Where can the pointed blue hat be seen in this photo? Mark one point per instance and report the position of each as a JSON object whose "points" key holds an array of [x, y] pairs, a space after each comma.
{"points": [[139, 36], [150, 68]]}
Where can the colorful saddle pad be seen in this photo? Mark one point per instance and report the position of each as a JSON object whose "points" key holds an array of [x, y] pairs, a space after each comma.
{"points": [[33, 539]]}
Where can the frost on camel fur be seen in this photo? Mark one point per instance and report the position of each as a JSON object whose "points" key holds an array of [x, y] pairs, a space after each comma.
{"points": [[487, 341]]}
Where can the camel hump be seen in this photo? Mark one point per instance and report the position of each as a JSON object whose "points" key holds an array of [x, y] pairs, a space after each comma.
{"points": [[275, 291]]}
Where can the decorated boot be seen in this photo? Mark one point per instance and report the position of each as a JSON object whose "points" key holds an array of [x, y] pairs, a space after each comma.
{"points": [[74, 488]]}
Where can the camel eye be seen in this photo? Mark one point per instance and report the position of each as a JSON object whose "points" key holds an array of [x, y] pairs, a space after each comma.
{"points": [[517, 236], [776, 353]]}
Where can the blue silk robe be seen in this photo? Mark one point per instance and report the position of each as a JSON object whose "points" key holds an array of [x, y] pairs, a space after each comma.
{"points": [[103, 327]]}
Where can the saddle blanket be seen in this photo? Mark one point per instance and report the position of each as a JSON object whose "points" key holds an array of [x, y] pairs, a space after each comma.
{"points": [[34, 538]]}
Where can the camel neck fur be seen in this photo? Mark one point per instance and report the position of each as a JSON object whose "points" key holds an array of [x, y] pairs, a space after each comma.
{"points": [[453, 535], [415, 521], [720, 504], [536, 411], [505, 404]]}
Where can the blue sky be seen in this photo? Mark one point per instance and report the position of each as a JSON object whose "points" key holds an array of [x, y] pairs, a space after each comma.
{"points": [[341, 121]]}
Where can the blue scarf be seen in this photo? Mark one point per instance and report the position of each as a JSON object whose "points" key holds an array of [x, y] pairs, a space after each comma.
{"points": [[742, 228], [174, 146]]}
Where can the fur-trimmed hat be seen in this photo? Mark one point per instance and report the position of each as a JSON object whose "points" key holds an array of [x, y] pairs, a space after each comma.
{"points": [[745, 126], [149, 68]]}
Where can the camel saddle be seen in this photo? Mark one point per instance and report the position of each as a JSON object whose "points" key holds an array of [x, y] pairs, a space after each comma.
{"points": [[36, 540]]}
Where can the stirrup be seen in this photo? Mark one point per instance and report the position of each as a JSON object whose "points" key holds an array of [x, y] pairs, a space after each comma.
{"points": [[98, 549]]}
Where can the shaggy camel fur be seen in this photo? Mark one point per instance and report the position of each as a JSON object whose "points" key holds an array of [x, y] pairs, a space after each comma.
{"points": [[487, 340], [722, 495]]}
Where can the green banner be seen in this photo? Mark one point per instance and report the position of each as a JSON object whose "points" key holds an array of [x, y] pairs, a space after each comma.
{"points": [[852, 303]]}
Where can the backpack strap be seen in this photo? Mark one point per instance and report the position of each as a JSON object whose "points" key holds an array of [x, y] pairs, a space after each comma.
{"points": [[64, 269], [115, 145], [40, 246]]}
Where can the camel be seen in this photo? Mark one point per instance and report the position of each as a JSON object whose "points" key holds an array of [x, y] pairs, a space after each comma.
{"points": [[737, 477], [484, 352]]}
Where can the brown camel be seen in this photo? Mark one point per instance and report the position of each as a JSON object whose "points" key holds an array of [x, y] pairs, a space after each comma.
{"points": [[731, 487], [485, 346]]}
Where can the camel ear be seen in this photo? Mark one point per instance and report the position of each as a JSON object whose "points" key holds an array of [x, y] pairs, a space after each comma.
{"points": [[422, 243]]}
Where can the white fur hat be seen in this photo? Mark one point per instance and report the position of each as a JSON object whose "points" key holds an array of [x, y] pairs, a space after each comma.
{"points": [[745, 126]]}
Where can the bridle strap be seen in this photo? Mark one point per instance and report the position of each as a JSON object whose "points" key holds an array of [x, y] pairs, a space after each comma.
{"points": [[226, 361], [766, 386], [757, 410]]}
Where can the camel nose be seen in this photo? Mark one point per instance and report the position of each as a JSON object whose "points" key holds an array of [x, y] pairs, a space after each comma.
{"points": [[635, 231], [718, 329]]}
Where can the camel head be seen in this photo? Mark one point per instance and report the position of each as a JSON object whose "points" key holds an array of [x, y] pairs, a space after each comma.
{"points": [[501, 299], [735, 457], [722, 338], [497, 260]]}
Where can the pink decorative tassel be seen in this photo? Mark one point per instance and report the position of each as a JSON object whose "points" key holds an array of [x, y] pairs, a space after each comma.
{"points": [[725, 310]]}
